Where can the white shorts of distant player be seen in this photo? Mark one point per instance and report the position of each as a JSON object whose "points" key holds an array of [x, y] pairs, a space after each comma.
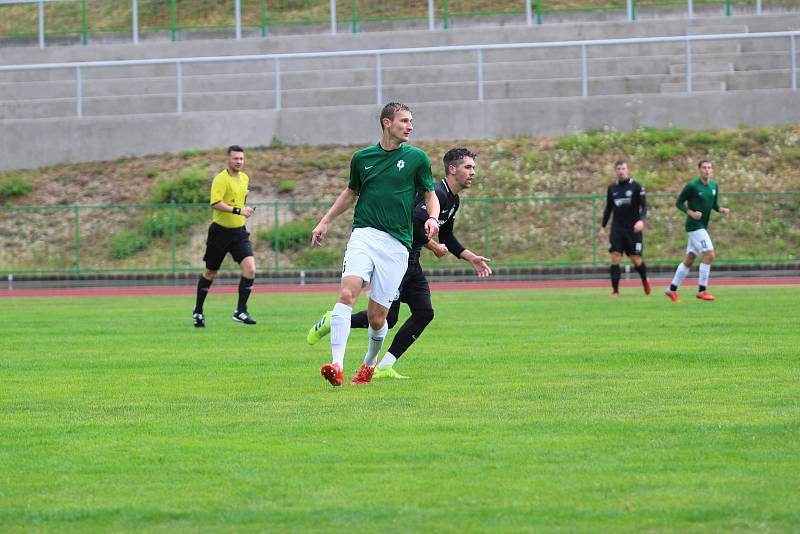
{"points": [[379, 260], [699, 242]]}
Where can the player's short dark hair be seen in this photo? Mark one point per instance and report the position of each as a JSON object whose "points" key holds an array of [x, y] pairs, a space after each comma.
{"points": [[620, 162], [703, 161], [455, 155], [390, 109], [235, 148]]}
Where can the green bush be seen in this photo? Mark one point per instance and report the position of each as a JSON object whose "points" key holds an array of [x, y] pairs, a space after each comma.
{"points": [[319, 257], [665, 152], [127, 243], [191, 186], [290, 235], [286, 186], [15, 186], [158, 223]]}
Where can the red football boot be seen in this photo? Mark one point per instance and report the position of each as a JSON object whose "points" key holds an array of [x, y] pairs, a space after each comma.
{"points": [[364, 375], [705, 295], [333, 373], [673, 295], [646, 287]]}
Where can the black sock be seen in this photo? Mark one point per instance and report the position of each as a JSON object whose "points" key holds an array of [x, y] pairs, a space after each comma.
{"points": [[642, 270], [202, 292], [614, 279], [673, 287], [245, 285], [359, 320], [410, 331], [700, 289]]}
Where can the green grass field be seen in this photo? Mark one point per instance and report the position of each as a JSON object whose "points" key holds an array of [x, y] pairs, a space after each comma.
{"points": [[537, 410]]}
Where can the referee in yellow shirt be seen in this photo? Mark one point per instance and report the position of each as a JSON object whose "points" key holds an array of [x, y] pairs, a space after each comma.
{"points": [[227, 234]]}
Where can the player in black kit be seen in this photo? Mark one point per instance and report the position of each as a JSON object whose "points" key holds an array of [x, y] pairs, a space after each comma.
{"points": [[459, 164], [626, 199]]}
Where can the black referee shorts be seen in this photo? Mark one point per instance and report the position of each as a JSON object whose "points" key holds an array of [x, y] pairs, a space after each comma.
{"points": [[222, 241], [626, 241]]}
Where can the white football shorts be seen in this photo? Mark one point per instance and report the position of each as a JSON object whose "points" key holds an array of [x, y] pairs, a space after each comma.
{"points": [[699, 242], [379, 260]]}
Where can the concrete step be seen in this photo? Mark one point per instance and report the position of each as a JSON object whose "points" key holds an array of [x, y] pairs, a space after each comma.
{"points": [[698, 87]]}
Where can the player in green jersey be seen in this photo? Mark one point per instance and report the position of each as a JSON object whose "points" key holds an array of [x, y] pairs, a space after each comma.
{"points": [[384, 181], [697, 199]]}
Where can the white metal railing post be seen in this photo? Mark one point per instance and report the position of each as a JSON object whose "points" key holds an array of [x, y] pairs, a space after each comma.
{"points": [[431, 20], [689, 66], [758, 7], [237, 12], [480, 73], [690, 8], [584, 73], [630, 10], [378, 90], [793, 47], [277, 84], [78, 92], [528, 12], [333, 17], [179, 85], [41, 23], [135, 17]]}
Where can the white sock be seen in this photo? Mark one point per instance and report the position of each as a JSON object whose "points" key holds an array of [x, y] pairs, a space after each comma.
{"points": [[680, 274], [376, 338], [387, 361], [340, 331], [705, 270]]}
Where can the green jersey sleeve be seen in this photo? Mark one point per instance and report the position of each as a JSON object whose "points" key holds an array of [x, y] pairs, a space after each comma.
{"points": [[680, 202], [424, 178], [355, 175]]}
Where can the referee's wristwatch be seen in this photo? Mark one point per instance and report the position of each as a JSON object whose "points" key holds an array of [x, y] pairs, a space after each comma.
{"points": [[237, 211]]}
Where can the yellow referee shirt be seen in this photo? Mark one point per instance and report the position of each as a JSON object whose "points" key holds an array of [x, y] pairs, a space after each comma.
{"points": [[233, 192]]}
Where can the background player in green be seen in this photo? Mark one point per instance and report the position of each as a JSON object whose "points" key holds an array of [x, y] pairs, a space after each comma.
{"points": [[384, 179], [227, 234], [697, 199]]}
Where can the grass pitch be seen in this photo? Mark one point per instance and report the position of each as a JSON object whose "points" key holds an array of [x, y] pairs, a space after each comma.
{"points": [[538, 410]]}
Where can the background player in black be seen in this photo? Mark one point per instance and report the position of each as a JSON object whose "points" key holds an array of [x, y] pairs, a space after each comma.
{"points": [[626, 200], [459, 164]]}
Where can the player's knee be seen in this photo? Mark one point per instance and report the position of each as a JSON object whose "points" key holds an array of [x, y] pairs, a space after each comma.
{"points": [[708, 256], [347, 296], [249, 271], [424, 316], [208, 274]]}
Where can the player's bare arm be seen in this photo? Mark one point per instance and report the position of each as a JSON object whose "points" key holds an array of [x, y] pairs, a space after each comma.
{"points": [[343, 202], [479, 263], [439, 249], [638, 226], [725, 211], [432, 206], [246, 211], [696, 215]]}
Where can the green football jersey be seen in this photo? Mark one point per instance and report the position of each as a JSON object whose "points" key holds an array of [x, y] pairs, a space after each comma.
{"points": [[387, 183], [699, 197]]}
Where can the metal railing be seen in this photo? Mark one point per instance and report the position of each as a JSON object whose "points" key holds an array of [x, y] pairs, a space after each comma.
{"points": [[514, 232], [257, 14], [479, 50]]}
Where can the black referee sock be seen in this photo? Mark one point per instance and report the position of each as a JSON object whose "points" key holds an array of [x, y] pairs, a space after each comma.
{"points": [[615, 278], [642, 270], [202, 292], [245, 285]]}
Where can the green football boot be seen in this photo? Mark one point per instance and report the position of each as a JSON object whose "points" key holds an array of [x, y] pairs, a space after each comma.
{"points": [[320, 330], [388, 372]]}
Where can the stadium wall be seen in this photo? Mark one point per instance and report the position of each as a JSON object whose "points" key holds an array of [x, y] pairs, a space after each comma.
{"points": [[36, 143]]}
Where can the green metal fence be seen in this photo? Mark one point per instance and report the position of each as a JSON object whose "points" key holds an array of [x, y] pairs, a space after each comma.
{"points": [[514, 232], [82, 19]]}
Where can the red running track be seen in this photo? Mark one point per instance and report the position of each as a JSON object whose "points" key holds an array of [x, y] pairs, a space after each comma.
{"points": [[136, 291]]}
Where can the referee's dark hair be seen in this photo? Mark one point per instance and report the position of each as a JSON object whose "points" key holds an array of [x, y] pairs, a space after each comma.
{"points": [[455, 155], [620, 162], [235, 148]]}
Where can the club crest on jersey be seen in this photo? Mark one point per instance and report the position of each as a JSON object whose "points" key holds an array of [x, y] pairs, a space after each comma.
{"points": [[628, 193], [400, 165]]}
